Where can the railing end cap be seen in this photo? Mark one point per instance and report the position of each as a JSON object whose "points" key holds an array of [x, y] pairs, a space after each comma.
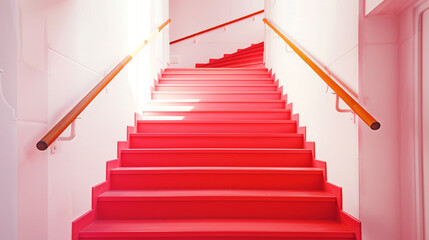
{"points": [[375, 125], [42, 146]]}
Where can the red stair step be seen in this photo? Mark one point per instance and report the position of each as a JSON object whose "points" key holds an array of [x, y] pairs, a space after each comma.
{"points": [[238, 60], [214, 71], [216, 140], [216, 157], [127, 178], [217, 75], [186, 113], [216, 95], [215, 87], [216, 126], [242, 60], [216, 203], [224, 103], [244, 65], [213, 80], [252, 47], [217, 229], [259, 50], [247, 55]]}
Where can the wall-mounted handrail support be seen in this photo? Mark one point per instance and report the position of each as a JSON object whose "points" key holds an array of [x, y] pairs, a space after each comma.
{"points": [[55, 132], [352, 103], [68, 138]]}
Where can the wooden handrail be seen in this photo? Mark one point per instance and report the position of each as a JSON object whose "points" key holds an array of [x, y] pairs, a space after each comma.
{"points": [[216, 27], [355, 106], [56, 131]]}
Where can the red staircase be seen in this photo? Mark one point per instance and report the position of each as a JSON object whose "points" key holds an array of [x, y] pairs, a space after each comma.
{"points": [[251, 57], [217, 155]]}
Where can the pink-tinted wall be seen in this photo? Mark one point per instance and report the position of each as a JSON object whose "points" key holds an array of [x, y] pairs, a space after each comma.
{"points": [[409, 211], [413, 106], [379, 150], [387, 7], [391, 204], [425, 112]]}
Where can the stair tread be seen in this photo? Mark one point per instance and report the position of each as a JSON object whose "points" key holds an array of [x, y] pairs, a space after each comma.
{"points": [[237, 61], [243, 65], [248, 55], [218, 92], [218, 194], [213, 85], [249, 150], [218, 134], [218, 79], [212, 170], [191, 109], [191, 121], [216, 74], [218, 227], [218, 101], [202, 69], [241, 53]]}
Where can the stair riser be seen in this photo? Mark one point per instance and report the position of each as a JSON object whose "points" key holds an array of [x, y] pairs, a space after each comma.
{"points": [[211, 159], [208, 105], [214, 71], [218, 76], [160, 208], [222, 115], [143, 127], [216, 181], [137, 141], [224, 81], [217, 96], [215, 88]]}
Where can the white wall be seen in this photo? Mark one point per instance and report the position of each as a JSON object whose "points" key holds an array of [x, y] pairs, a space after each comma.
{"points": [[191, 16], [63, 48], [32, 110], [80, 63], [328, 30]]}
